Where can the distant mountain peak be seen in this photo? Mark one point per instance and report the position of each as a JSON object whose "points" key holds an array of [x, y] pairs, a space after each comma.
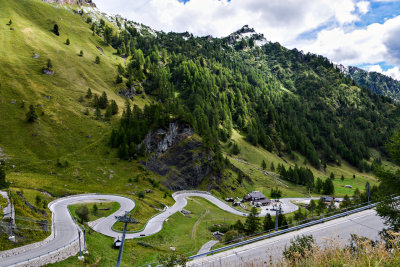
{"points": [[247, 33]]}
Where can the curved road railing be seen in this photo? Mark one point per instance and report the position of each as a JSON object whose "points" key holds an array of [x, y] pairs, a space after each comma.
{"points": [[324, 219]]}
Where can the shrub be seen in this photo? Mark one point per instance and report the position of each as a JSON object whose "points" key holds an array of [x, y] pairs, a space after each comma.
{"points": [[231, 235], [300, 246], [235, 149], [83, 214], [31, 116], [56, 30]]}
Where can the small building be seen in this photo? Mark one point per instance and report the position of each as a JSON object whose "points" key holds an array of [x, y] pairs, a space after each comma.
{"points": [[257, 197], [328, 199]]}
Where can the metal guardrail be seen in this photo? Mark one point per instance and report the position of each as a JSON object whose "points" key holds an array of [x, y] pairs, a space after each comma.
{"points": [[323, 219]]}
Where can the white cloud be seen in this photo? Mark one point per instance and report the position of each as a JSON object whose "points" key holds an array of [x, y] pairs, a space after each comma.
{"points": [[393, 72], [363, 7], [370, 45]]}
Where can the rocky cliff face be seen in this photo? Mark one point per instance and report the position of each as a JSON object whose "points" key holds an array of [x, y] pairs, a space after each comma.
{"points": [[179, 158], [160, 140], [185, 165], [72, 2]]}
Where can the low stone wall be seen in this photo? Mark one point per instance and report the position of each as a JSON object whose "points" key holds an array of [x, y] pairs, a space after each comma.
{"points": [[52, 257], [190, 191], [19, 250]]}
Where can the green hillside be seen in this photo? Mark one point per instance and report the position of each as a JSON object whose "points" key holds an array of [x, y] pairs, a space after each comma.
{"points": [[245, 104]]}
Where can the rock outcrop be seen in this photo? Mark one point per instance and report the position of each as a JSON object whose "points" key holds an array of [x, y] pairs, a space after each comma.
{"points": [[160, 140], [180, 158], [185, 165]]}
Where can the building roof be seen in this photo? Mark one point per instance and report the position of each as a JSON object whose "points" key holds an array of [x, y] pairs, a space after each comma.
{"points": [[256, 194], [327, 198]]}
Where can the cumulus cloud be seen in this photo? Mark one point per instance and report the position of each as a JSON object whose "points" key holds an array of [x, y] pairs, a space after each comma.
{"points": [[392, 43], [393, 72], [370, 45], [363, 7]]}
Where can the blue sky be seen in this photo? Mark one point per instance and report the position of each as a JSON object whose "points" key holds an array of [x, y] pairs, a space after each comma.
{"points": [[350, 32]]}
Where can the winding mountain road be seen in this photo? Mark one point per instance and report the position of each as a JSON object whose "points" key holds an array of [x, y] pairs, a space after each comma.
{"points": [[65, 231]]}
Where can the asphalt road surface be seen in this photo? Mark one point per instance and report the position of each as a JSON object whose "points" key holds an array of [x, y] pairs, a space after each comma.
{"points": [[65, 230], [365, 223]]}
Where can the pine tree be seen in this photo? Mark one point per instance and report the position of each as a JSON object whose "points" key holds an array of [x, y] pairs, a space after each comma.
{"points": [[321, 205], [10, 22], [312, 206], [56, 30], [3, 182], [81, 53], [252, 224], [103, 101], [328, 187], [114, 107], [240, 177], [108, 114], [119, 79], [238, 225], [89, 94], [269, 224], [263, 165], [346, 202], [67, 42], [272, 167], [97, 60], [97, 113], [31, 116], [342, 178], [95, 209], [235, 149]]}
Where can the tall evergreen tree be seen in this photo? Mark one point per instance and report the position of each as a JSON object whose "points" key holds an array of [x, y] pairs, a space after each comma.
{"points": [[56, 30], [3, 182], [263, 165], [31, 116], [103, 101], [268, 224], [252, 223]]}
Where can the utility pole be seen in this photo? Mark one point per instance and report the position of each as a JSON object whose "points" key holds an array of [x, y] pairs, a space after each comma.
{"points": [[277, 211], [125, 219]]}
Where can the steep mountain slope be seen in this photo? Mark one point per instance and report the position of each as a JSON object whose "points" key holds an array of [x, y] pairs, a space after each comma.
{"points": [[62, 150]]}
